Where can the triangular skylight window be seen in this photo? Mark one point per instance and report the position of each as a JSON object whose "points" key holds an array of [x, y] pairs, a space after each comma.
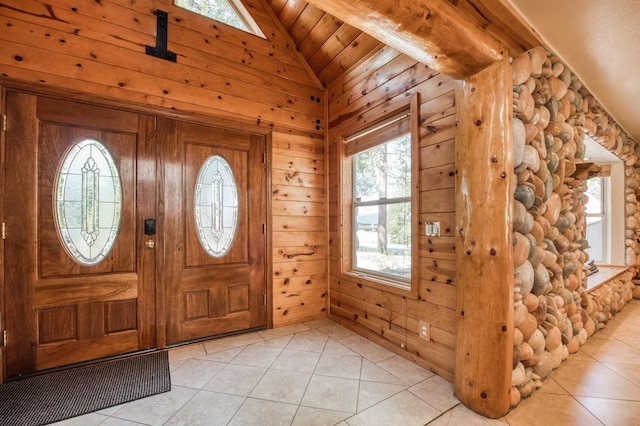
{"points": [[230, 12]]}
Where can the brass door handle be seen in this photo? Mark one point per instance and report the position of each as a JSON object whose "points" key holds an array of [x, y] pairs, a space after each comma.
{"points": [[150, 244]]}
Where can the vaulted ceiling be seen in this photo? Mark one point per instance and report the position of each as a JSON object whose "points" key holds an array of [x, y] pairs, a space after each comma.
{"points": [[331, 46], [596, 39]]}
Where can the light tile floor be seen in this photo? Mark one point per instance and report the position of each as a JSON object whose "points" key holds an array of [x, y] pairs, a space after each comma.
{"points": [[319, 373]]}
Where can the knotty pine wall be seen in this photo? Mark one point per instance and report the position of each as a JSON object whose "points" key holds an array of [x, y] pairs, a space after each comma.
{"points": [[96, 50], [381, 85], [299, 229]]}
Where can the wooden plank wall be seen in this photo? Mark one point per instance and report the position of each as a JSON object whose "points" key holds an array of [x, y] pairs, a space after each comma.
{"points": [[300, 249], [376, 87], [96, 49]]}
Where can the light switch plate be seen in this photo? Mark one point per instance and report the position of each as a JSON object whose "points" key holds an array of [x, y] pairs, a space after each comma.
{"points": [[432, 229]]}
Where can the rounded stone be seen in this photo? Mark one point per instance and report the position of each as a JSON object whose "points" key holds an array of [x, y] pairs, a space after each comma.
{"points": [[527, 389], [526, 195], [546, 226], [531, 159], [536, 256], [531, 302], [528, 223], [573, 345], [553, 339], [521, 248], [552, 162], [549, 258], [566, 133], [518, 338], [541, 280], [514, 396], [545, 366], [525, 273], [557, 356], [563, 223], [582, 337], [536, 341], [554, 204], [568, 268], [520, 313], [561, 243], [545, 116], [590, 327], [530, 362], [517, 356], [526, 351], [519, 141], [567, 331], [528, 327], [537, 232], [518, 375]]}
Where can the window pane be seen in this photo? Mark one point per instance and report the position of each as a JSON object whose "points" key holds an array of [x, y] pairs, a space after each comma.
{"points": [[220, 10], [216, 206], [595, 233], [594, 191], [88, 202], [230, 12], [384, 171], [383, 239]]}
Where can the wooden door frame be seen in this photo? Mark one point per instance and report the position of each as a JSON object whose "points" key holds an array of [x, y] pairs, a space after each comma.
{"points": [[204, 119], [3, 359]]}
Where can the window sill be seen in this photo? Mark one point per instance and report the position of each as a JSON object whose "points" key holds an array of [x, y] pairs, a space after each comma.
{"points": [[395, 287], [605, 274]]}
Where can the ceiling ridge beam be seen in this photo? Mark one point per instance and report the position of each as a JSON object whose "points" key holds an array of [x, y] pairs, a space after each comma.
{"points": [[432, 32]]}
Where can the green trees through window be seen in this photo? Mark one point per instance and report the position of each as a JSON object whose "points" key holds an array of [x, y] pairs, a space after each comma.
{"points": [[382, 208]]}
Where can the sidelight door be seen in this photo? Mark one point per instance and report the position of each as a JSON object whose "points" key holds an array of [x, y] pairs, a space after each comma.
{"points": [[213, 240]]}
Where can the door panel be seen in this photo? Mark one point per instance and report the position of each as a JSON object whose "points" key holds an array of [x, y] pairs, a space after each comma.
{"points": [[59, 311], [208, 295], [54, 259]]}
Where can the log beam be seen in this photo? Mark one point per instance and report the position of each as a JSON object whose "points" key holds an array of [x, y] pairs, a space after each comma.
{"points": [[432, 32], [484, 254]]}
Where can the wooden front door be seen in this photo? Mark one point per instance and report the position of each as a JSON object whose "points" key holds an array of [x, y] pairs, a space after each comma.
{"points": [[85, 278], [213, 212], [79, 283]]}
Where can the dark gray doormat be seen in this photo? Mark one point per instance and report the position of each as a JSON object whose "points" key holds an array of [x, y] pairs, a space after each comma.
{"points": [[57, 396]]}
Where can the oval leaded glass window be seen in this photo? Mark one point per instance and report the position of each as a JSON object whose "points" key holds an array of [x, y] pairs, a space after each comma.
{"points": [[216, 206], [88, 202]]}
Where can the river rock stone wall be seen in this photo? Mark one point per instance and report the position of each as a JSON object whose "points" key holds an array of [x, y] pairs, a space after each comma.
{"points": [[553, 312]]}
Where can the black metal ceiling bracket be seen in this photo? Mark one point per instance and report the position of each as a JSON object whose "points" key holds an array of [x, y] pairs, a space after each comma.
{"points": [[160, 49]]}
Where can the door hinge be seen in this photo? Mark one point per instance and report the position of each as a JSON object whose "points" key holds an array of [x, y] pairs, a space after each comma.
{"points": [[155, 123], [4, 338], [264, 228], [4, 230], [4, 122], [265, 299]]}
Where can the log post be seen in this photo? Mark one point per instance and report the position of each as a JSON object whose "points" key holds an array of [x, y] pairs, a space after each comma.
{"points": [[484, 256]]}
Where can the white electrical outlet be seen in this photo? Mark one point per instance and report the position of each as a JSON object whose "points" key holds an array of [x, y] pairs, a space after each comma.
{"points": [[425, 330]]}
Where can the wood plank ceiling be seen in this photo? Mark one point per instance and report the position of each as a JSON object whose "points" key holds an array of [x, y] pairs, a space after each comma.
{"points": [[331, 46]]}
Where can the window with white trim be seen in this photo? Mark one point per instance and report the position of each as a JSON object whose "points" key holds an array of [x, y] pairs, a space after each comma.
{"points": [[230, 12]]}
